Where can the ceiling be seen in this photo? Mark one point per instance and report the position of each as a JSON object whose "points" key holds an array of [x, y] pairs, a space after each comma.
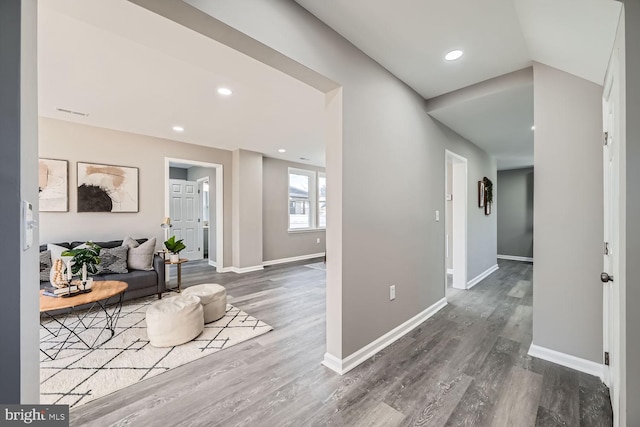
{"points": [[135, 71], [410, 39]]}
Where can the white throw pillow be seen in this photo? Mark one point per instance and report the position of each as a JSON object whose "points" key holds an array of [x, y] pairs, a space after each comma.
{"points": [[56, 253], [140, 256]]}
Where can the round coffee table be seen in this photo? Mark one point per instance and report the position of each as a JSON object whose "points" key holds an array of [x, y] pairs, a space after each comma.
{"points": [[82, 312]]}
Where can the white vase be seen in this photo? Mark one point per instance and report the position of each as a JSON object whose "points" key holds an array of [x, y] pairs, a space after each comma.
{"points": [[174, 258]]}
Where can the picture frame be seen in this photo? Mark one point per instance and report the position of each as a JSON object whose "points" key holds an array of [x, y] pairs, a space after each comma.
{"points": [[107, 188], [53, 185], [481, 194]]}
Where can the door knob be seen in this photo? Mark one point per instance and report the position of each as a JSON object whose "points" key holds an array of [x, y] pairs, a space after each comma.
{"points": [[604, 277]]}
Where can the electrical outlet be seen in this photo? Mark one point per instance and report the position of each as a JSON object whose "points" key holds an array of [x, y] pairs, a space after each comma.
{"points": [[392, 292], [318, 240]]}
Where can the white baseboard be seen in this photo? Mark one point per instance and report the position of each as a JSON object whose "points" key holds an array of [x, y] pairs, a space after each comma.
{"points": [[573, 362], [292, 259], [241, 270], [515, 258], [342, 366], [213, 263], [471, 283], [449, 270]]}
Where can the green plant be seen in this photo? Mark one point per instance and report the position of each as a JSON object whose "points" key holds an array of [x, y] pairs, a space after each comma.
{"points": [[173, 245], [488, 189], [88, 255]]}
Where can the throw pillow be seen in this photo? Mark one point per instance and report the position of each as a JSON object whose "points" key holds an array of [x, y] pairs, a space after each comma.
{"points": [[140, 256], [56, 253], [113, 260], [45, 265]]}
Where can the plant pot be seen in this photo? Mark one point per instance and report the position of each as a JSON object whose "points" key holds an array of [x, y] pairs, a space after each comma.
{"points": [[174, 258]]}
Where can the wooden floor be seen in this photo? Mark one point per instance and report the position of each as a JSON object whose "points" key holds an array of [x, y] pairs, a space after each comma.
{"points": [[466, 366]]}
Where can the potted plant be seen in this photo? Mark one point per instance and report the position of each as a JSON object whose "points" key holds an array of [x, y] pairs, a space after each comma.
{"points": [[84, 261], [174, 247]]}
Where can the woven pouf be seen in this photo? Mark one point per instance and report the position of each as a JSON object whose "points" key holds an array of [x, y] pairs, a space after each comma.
{"points": [[174, 321], [213, 298]]}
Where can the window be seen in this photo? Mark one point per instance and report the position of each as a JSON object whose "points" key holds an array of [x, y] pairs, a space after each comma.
{"points": [[307, 200]]}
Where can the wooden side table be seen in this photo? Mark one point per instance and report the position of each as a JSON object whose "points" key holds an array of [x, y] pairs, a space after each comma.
{"points": [[179, 266]]}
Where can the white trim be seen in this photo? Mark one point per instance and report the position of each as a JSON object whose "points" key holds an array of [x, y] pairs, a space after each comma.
{"points": [[449, 270], [471, 283], [241, 270], [212, 263], [293, 258], [460, 215], [342, 366], [515, 258], [573, 362]]}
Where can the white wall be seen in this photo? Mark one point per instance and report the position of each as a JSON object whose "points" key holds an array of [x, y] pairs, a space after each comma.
{"points": [[79, 143], [568, 214]]}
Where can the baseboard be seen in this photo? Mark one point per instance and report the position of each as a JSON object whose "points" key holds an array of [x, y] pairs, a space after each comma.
{"points": [[471, 283], [213, 263], [241, 270], [292, 259], [573, 362], [449, 270], [515, 258], [342, 366]]}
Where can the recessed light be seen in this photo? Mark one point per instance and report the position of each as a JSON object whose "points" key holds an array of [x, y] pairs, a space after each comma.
{"points": [[282, 150], [453, 55], [224, 91], [178, 129], [533, 127]]}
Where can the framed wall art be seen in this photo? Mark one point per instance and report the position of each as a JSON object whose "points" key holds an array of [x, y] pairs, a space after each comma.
{"points": [[53, 185], [481, 194], [107, 188]]}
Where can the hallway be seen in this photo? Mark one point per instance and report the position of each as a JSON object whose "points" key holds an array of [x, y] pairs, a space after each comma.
{"points": [[466, 366]]}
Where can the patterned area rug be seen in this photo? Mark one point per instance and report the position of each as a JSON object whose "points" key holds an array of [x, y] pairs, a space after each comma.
{"points": [[78, 375]]}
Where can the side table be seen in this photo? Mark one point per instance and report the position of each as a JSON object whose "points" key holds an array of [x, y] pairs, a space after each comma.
{"points": [[179, 266]]}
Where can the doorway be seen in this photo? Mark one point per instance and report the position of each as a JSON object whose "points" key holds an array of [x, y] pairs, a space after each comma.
{"points": [[194, 202], [455, 222]]}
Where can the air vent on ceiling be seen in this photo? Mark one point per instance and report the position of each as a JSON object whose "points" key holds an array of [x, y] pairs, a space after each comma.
{"points": [[75, 113]]}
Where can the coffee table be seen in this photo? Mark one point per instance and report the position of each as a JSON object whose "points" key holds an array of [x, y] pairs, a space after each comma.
{"points": [[98, 311]]}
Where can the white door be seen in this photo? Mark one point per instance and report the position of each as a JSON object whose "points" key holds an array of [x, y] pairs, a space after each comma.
{"points": [[185, 216], [611, 269]]}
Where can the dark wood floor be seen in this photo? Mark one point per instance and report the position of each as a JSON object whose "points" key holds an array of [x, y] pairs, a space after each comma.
{"points": [[466, 366]]}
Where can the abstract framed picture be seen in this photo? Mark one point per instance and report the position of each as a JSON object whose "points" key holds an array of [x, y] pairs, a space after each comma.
{"points": [[107, 188], [53, 185]]}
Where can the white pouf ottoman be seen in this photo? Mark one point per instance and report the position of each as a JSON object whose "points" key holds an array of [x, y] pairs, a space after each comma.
{"points": [[174, 321], [213, 298]]}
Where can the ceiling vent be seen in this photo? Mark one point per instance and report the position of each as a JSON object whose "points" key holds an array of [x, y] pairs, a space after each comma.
{"points": [[75, 113]]}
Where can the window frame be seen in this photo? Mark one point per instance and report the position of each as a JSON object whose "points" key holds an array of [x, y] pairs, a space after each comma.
{"points": [[313, 198]]}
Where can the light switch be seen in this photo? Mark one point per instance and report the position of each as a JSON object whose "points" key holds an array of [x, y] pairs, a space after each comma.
{"points": [[437, 215]]}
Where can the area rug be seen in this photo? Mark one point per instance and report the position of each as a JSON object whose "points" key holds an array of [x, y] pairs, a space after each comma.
{"points": [[78, 375]]}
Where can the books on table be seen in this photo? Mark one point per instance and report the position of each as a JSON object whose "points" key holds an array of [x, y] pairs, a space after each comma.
{"points": [[57, 292]]}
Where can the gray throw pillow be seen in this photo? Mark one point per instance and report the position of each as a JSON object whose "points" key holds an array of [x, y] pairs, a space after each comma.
{"points": [[113, 261], [45, 265], [140, 256]]}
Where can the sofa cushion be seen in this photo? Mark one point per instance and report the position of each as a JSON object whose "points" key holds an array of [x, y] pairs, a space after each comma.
{"points": [[113, 260], [56, 252], [140, 256], [45, 265], [67, 245], [136, 279]]}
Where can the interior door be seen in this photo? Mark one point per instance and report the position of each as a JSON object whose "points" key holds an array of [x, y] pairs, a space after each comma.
{"points": [[611, 269], [185, 216]]}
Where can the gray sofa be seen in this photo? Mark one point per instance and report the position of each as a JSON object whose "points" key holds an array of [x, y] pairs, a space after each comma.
{"points": [[141, 282]]}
